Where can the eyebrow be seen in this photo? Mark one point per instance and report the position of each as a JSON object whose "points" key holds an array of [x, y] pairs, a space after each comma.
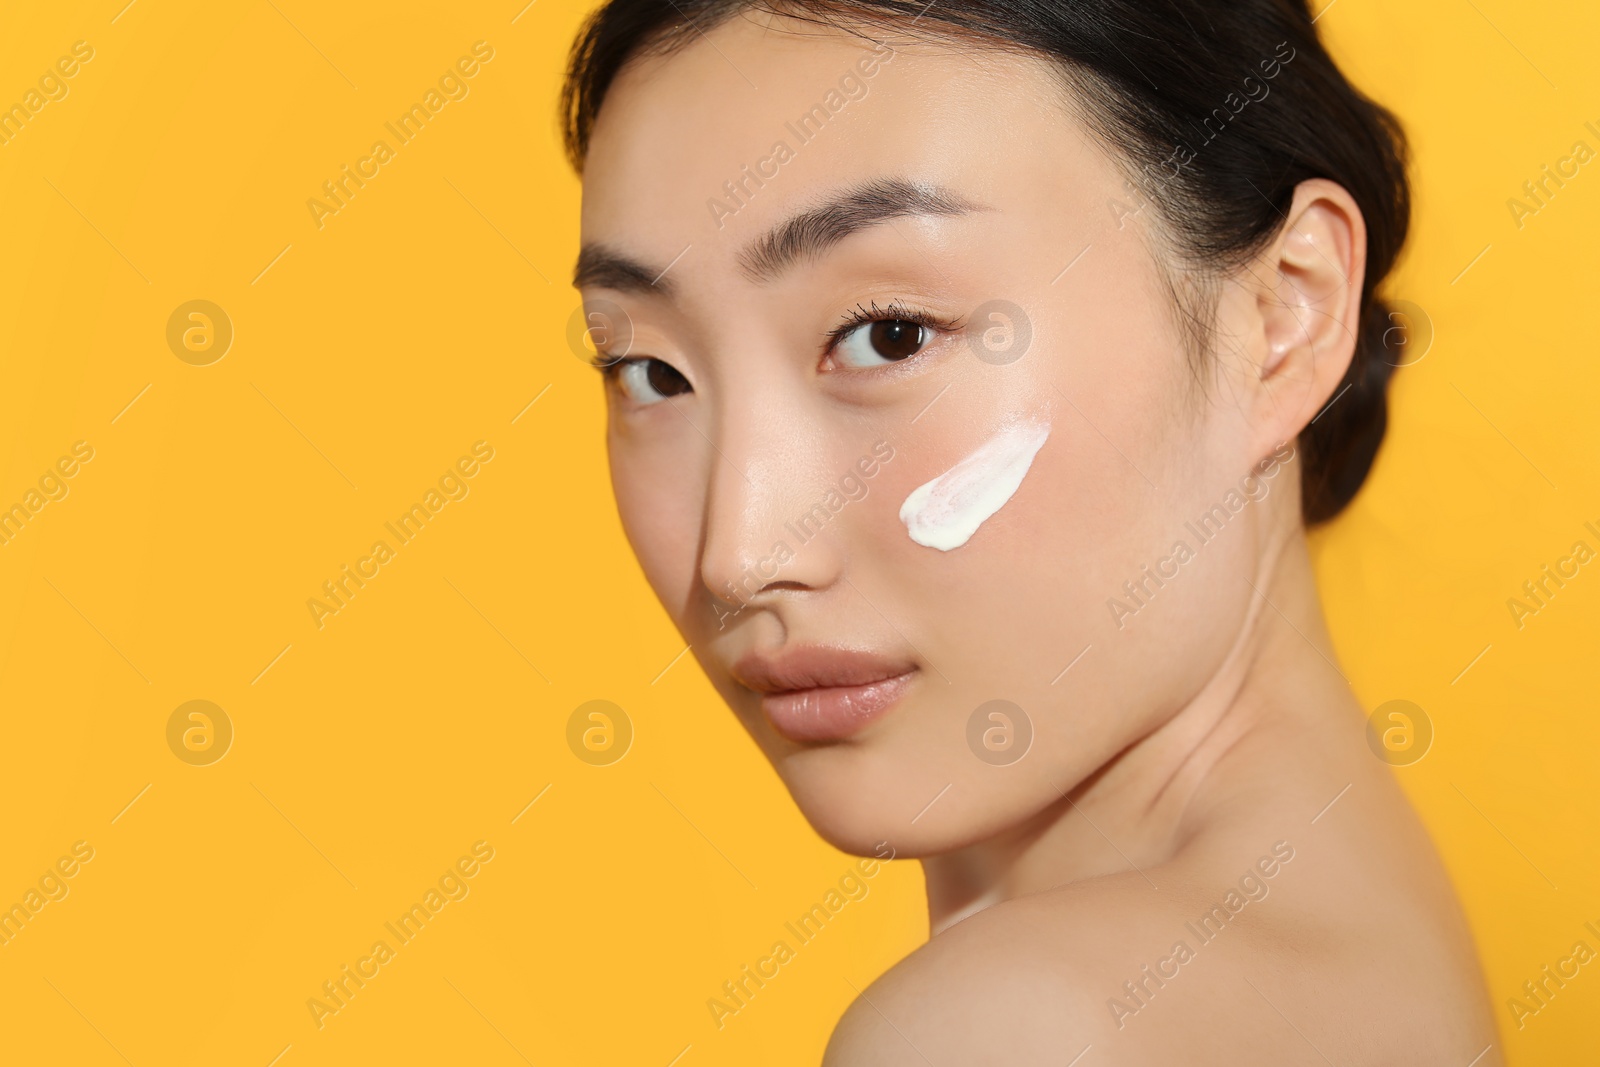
{"points": [[811, 233], [603, 267], [803, 236]]}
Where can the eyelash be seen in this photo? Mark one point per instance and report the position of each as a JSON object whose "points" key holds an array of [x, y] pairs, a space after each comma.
{"points": [[613, 368], [854, 319], [895, 312]]}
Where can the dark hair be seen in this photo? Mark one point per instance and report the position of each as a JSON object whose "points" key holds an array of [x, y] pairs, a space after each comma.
{"points": [[1164, 82]]}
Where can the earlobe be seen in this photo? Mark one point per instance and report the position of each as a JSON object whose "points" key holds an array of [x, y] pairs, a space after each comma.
{"points": [[1310, 303]]}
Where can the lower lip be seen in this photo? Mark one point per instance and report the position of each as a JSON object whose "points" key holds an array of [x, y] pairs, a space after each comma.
{"points": [[833, 713]]}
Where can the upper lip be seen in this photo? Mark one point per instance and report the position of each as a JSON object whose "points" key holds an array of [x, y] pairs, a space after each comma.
{"points": [[815, 667]]}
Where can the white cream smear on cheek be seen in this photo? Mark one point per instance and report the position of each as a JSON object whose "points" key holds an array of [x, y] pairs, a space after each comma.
{"points": [[947, 511]]}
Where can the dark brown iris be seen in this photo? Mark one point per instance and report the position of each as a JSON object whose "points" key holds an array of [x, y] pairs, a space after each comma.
{"points": [[895, 339], [664, 379]]}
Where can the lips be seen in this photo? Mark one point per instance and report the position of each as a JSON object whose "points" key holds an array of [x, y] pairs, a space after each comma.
{"points": [[814, 694]]}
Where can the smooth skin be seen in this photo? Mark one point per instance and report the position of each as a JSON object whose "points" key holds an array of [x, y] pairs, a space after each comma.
{"points": [[1187, 739]]}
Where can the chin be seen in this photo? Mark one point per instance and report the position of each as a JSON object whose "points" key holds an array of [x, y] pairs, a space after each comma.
{"points": [[866, 799]]}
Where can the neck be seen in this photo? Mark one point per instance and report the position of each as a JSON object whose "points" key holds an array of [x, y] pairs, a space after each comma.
{"points": [[1137, 810]]}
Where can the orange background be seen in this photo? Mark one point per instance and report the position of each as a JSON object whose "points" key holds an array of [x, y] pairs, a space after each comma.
{"points": [[370, 754]]}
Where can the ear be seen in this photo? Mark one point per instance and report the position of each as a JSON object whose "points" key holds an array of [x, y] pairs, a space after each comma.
{"points": [[1297, 308]]}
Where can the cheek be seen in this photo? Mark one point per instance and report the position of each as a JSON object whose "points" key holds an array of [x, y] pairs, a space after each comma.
{"points": [[661, 518], [1005, 615], [944, 512], [1011, 606]]}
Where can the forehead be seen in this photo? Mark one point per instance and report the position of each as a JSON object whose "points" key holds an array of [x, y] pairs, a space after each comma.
{"points": [[755, 120]]}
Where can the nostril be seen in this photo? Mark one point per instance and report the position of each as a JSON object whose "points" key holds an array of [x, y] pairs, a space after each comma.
{"points": [[772, 587]]}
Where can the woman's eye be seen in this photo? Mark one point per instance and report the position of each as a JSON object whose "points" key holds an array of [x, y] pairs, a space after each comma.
{"points": [[649, 380], [874, 344]]}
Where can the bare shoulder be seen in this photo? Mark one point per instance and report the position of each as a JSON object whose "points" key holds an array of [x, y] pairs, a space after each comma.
{"points": [[1035, 980], [994, 988], [1203, 970]]}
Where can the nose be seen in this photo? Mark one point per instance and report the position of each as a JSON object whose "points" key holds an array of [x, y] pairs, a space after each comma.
{"points": [[763, 530]]}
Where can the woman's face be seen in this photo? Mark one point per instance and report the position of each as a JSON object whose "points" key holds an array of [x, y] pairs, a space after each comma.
{"points": [[835, 275]]}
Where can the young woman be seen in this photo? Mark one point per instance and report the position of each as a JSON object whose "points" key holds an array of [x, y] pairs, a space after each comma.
{"points": [[974, 372]]}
